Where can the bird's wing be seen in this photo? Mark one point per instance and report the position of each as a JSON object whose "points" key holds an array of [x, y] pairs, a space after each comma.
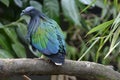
{"points": [[48, 38]]}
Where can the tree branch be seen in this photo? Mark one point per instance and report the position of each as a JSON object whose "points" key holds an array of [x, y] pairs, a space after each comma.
{"points": [[41, 67]]}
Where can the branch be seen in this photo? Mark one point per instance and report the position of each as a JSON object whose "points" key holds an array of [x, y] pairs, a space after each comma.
{"points": [[40, 67]]}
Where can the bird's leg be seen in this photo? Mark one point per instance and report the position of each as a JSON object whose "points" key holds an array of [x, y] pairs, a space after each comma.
{"points": [[44, 58], [41, 58]]}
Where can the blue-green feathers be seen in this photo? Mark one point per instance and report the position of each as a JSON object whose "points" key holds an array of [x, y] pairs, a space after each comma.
{"points": [[45, 35]]}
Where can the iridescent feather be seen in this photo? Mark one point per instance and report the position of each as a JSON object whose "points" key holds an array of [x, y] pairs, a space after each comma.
{"points": [[46, 36]]}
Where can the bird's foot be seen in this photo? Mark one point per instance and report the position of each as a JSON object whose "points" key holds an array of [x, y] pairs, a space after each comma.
{"points": [[39, 58], [46, 60]]}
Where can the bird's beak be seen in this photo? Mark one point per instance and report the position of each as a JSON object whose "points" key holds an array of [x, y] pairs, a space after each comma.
{"points": [[23, 12]]}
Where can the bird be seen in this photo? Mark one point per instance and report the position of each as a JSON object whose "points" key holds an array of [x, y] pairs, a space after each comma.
{"points": [[45, 35]]}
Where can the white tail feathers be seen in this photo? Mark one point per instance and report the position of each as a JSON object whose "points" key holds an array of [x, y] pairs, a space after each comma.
{"points": [[58, 64]]}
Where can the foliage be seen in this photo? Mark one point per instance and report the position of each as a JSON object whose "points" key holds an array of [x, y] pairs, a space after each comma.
{"points": [[91, 27]]}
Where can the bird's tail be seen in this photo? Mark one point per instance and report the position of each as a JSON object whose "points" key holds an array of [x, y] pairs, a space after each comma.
{"points": [[58, 58]]}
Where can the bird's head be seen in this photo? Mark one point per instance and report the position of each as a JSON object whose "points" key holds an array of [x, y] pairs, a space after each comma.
{"points": [[30, 11]]}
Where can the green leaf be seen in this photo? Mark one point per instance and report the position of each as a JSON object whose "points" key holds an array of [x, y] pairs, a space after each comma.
{"points": [[118, 43], [100, 3], [71, 50], [114, 33], [5, 54], [4, 43], [21, 31], [51, 8], [101, 26], [19, 50], [87, 2], [114, 27], [6, 2], [104, 12], [18, 3], [89, 48], [115, 37], [70, 11], [26, 18], [36, 4], [1, 25], [11, 33]]}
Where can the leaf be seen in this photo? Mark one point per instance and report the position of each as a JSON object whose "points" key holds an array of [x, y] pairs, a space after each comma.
{"points": [[6, 2], [71, 50], [100, 3], [11, 33], [115, 37], [70, 11], [5, 54], [101, 26], [51, 8], [1, 25], [118, 43], [36, 4], [114, 28], [21, 31], [19, 50], [87, 2], [114, 33], [4, 43], [18, 3], [97, 39], [26, 18], [104, 12]]}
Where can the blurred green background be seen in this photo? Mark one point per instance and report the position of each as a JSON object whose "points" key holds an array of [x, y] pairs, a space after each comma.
{"points": [[91, 28]]}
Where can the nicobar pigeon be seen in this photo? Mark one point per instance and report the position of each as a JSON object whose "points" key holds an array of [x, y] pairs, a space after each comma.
{"points": [[45, 35]]}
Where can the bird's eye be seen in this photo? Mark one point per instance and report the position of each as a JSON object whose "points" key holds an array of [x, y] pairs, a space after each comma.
{"points": [[31, 11]]}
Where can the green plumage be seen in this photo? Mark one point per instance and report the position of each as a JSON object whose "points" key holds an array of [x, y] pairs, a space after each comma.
{"points": [[46, 38], [45, 35]]}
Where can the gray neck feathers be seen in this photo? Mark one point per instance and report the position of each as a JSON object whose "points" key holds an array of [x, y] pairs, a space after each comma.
{"points": [[33, 25]]}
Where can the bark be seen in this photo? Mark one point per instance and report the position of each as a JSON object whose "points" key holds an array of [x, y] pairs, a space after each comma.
{"points": [[82, 69]]}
